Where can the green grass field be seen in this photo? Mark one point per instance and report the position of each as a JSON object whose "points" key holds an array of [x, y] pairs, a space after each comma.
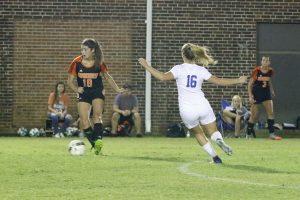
{"points": [[148, 168]]}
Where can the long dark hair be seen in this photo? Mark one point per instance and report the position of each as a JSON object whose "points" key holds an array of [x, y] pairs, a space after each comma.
{"points": [[56, 92], [94, 44]]}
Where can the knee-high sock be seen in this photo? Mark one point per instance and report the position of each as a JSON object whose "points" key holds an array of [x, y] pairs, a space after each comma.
{"points": [[250, 129], [98, 130], [209, 149], [271, 125], [216, 135]]}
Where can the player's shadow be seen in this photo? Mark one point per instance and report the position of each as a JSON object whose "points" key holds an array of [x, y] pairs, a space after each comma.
{"points": [[258, 169], [169, 159]]}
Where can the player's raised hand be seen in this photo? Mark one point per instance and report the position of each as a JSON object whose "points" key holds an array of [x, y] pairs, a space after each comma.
{"points": [[121, 90], [143, 62], [243, 79], [80, 90]]}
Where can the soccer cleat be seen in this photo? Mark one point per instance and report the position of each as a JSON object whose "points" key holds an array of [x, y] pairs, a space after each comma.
{"points": [[274, 137], [217, 160], [225, 147], [277, 138], [98, 146]]}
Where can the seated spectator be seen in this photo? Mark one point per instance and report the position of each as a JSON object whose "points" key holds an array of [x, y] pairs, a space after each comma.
{"points": [[235, 114], [126, 108], [57, 110]]}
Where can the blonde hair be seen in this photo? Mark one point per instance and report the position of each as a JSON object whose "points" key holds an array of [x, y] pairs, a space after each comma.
{"points": [[237, 97], [198, 54]]}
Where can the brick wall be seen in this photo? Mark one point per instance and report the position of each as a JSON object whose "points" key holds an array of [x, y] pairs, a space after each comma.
{"points": [[38, 40]]}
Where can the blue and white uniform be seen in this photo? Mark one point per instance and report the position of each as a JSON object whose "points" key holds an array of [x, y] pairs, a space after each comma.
{"points": [[194, 107]]}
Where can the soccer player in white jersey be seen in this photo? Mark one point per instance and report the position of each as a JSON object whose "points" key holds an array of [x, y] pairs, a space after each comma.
{"points": [[195, 109]]}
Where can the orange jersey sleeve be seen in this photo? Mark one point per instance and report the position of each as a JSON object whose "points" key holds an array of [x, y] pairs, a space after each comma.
{"points": [[65, 98], [254, 73], [72, 66], [51, 98]]}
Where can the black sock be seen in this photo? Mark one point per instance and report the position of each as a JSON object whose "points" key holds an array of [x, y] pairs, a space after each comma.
{"points": [[271, 125], [89, 135], [98, 129], [250, 129]]}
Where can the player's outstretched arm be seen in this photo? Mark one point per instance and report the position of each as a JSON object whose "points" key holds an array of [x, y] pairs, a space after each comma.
{"points": [[111, 82], [227, 81], [157, 74]]}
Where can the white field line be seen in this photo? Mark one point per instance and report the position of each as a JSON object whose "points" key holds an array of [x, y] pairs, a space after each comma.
{"points": [[185, 170]]}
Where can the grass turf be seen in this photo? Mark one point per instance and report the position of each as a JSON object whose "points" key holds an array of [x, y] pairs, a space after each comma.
{"points": [[148, 168]]}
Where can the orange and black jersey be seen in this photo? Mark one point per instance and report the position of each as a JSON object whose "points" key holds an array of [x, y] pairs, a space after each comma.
{"points": [[261, 79], [87, 77], [261, 85]]}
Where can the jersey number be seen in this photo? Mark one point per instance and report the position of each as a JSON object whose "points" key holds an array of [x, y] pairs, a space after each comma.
{"points": [[264, 84], [88, 82], [191, 81]]}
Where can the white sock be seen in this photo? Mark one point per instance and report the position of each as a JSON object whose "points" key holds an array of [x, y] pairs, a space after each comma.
{"points": [[209, 149], [216, 135]]}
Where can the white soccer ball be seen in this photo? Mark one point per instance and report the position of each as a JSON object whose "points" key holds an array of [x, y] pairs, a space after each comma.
{"points": [[22, 131], [76, 148], [34, 132], [42, 132]]}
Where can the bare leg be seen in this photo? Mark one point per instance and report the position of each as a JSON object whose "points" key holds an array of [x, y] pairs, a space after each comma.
{"points": [[114, 122], [199, 134], [253, 118], [83, 109], [269, 108], [254, 113], [229, 116], [98, 105], [203, 141], [237, 127], [137, 123]]}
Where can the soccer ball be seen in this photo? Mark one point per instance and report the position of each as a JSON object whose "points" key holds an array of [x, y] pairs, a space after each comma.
{"points": [[42, 132], [76, 148], [22, 131], [34, 132]]}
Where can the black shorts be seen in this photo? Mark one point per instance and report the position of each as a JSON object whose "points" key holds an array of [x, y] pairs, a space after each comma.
{"points": [[261, 95], [129, 119], [90, 94]]}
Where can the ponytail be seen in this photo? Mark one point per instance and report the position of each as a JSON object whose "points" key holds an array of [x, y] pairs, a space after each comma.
{"points": [[202, 56], [94, 44], [198, 54]]}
